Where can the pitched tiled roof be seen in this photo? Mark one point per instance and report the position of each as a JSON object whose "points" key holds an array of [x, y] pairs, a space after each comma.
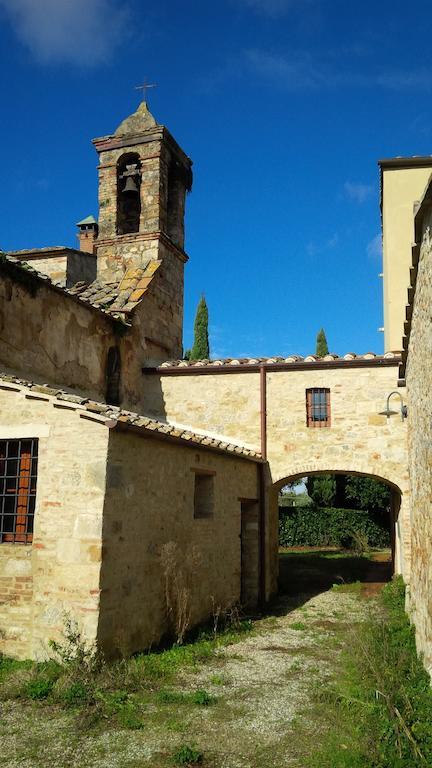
{"points": [[115, 298], [113, 417], [294, 359], [39, 252], [118, 297]]}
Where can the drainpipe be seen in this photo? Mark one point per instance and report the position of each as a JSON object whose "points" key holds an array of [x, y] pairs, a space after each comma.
{"points": [[263, 411], [262, 483]]}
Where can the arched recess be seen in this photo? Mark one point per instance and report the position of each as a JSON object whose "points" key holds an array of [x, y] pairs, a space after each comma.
{"points": [[128, 193], [399, 517], [113, 371]]}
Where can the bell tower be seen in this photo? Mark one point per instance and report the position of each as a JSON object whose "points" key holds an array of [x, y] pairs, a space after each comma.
{"points": [[143, 179]]}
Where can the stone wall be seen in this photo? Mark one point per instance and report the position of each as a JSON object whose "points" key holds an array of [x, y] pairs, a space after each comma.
{"points": [[16, 600], [359, 439], [58, 574], [419, 387], [110, 505], [47, 336], [149, 515], [53, 266]]}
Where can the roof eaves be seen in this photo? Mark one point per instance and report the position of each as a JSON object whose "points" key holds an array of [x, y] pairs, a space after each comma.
{"points": [[11, 263], [119, 419], [294, 362]]}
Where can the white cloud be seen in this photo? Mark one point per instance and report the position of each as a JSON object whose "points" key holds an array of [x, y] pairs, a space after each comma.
{"points": [[313, 248], [302, 70], [358, 192], [82, 32], [292, 73], [374, 248]]}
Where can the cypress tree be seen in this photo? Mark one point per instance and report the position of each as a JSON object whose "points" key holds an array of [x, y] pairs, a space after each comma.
{"points": [[200, 349], [321, 344]]}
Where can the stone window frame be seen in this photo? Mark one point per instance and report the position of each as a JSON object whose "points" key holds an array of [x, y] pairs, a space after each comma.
{"points": [[18, 481], [318, 413], [203, 502]]}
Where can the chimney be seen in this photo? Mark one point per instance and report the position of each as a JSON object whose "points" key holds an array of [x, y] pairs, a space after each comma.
{"points": [[87, 234]]}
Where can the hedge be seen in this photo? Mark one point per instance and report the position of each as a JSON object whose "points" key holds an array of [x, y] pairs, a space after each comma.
{"points": [[327, 526]]}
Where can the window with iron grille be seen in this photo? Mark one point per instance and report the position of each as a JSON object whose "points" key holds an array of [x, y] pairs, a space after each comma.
{"points": [[18, 473], [318, 407]]}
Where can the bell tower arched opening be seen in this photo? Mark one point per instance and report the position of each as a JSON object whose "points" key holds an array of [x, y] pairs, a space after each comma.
{"points": [[128, 194]]}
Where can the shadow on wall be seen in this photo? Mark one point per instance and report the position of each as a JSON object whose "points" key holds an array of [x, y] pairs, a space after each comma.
{"points": [[154, 397]]}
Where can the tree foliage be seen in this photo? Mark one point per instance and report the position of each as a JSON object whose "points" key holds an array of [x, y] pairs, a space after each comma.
{"points": [[323, 526], [367, 493], [321, 344], [200, 349], [349, 492], [322, 489]]}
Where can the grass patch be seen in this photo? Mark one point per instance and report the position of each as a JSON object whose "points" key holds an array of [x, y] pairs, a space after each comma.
{"points": [[353, 588], [199, 697], [80, 680], [382, 700], [299, 625]]}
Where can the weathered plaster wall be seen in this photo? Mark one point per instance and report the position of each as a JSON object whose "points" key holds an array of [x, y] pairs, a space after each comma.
{"points": [[419, 386], [359, 440], [59, 572], [149, 504], [47, 336]]}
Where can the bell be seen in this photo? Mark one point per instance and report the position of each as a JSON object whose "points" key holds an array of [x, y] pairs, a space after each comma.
{"points": [[130, 187]]}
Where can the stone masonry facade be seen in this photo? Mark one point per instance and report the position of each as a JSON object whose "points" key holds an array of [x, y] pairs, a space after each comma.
{"points": [[108, 503], [358, 440], [419, 387]]}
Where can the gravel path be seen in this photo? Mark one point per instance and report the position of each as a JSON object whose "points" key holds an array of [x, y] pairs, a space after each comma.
{"points": [[262, 690]]}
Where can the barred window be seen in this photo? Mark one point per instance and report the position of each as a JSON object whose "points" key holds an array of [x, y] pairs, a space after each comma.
{"points": [[318, 407], [18, 472]]}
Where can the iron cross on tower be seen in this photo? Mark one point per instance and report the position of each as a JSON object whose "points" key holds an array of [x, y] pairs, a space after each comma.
{"points": [[144, 88]]}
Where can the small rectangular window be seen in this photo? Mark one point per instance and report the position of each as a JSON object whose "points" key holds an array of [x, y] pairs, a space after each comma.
{"points": [[18, 473], [203, 495], [318, 407]]}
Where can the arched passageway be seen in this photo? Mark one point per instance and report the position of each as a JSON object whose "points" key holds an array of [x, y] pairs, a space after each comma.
{"points": [[343, 567]]}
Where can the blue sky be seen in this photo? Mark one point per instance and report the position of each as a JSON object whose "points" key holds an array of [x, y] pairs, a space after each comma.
{"points": [[284, 106]]}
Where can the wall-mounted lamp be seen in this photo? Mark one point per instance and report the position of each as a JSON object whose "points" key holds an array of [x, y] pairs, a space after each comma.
{"points": [[388, 412]]}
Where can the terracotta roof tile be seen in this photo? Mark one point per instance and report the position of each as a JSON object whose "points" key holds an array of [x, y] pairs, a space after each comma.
{"points": [[229, 361], [114, 298]]}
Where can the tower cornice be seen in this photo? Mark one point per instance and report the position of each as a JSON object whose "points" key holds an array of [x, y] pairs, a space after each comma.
{"points": [[156, 133]]}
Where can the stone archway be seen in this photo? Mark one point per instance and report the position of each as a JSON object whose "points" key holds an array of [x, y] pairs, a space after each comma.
{"points": [[399, 517]]}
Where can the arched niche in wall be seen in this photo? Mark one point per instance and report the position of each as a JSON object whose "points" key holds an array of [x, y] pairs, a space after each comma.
{"points": [[128, 193], [113, 369]]}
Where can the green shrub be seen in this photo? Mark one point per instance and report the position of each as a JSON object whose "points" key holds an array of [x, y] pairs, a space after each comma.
{"points": [[187, 755], [202, 698], [328, 526], [76, 694], [39, 688]]}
